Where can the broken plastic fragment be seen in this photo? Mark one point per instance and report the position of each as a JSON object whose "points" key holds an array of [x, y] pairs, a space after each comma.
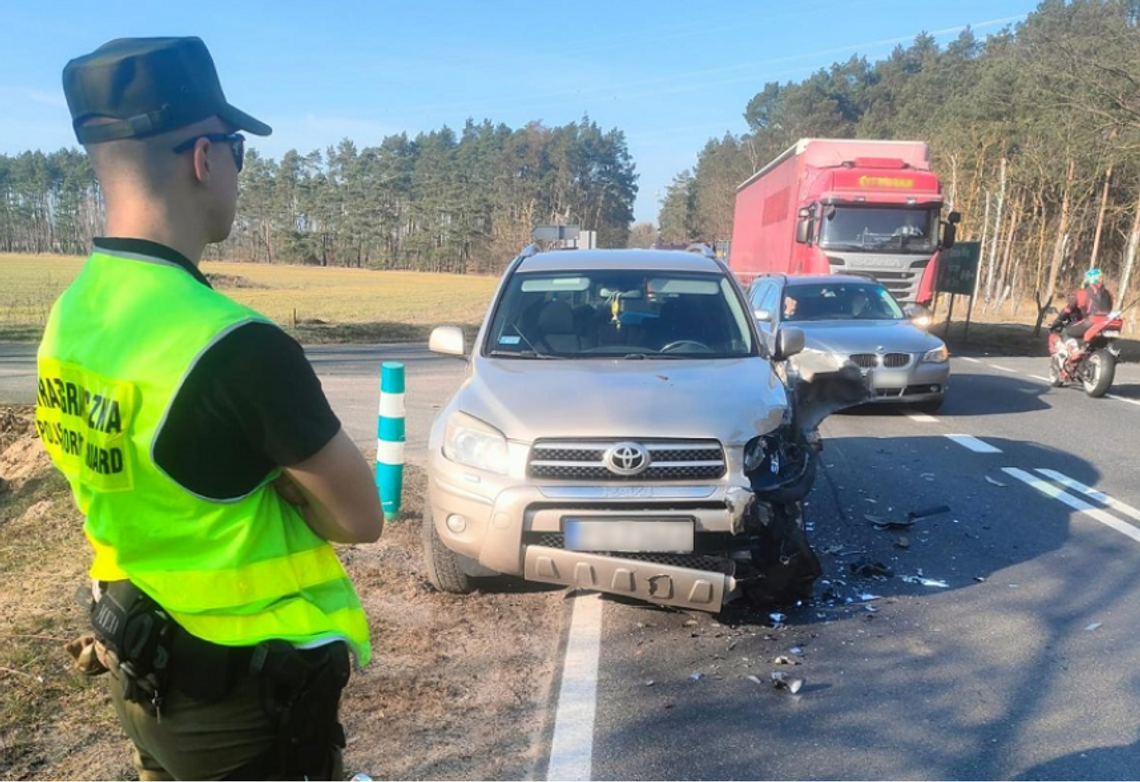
{"points": [[753, 679], [695, 677], [777, 618], [994, 482], [1093, 626], [785, 682], [785, 660], [649, 682], [867, 596], [929, 582], [797, 651], [870, 609]]}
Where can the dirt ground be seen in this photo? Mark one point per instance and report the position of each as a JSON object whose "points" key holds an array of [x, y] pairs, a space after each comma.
{"points": [[457, 688]]}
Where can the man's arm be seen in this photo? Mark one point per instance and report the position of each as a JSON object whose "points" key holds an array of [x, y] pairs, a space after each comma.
{"points": [[341, 503]]}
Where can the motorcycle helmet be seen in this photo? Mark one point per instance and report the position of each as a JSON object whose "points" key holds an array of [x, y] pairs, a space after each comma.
{"points": [[1092, 276]]}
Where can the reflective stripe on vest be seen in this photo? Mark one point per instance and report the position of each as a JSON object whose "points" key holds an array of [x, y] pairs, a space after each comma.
{"points": [[118, 345]]}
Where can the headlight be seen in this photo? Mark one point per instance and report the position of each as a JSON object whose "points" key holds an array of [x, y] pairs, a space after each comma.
{"points": [[470, 441], [938, 354]]}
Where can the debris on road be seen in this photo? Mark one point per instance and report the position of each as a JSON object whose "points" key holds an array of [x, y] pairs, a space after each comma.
{"points": [[902, 542], [785, 660], [870, 569], [753, 679], [995, 482], [882, 523], [785, 682], [1093, 626], [696, 677], [777, 619], [929, 582]]}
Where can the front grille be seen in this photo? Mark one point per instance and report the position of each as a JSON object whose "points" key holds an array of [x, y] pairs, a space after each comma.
{"points": [[874, 360], [692, 561], [584, 460]]}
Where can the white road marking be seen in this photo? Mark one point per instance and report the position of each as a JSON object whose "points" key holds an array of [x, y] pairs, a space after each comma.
{"points": [[1003, 369], [1123, 399], [972, 360], [1042, 379], [973, 443], [1092, 493], [572, 748], [922, 418], [1097, 514]]}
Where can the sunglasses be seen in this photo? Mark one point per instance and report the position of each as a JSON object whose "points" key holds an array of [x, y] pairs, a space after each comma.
{"points": [[235, 140]]}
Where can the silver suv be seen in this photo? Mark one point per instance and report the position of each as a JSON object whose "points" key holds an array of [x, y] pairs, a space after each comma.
{"points": [[621, 428]]}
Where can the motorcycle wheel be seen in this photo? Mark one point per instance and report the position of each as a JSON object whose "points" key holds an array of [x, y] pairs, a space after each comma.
{"points": [[1055, 378], [1099, 371]]}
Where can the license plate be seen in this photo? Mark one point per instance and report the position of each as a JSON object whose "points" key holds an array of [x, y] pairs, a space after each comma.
{"points": [[625, 535], [888, 378]]}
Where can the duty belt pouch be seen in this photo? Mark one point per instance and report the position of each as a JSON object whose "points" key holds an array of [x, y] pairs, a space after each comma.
{"points": [[139, 634]]}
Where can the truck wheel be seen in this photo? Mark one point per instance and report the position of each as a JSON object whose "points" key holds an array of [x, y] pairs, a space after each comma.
{"points": [[1100, 370], [442, 563]]}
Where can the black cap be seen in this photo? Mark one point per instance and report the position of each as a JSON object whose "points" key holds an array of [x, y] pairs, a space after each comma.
{"points": [[150, 85]]}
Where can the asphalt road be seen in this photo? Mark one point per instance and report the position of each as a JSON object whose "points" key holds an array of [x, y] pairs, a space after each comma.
{"points": [[1016, 659]]}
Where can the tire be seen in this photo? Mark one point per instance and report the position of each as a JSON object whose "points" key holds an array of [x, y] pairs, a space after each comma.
{"points": [[442, 563], [1055, 379], [1100, 370]]}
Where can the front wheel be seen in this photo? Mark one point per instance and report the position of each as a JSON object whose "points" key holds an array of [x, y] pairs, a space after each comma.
{"points": [[1055, 364], [1100, 370], [443, 569]]}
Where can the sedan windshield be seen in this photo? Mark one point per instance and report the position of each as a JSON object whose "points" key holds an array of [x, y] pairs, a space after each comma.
{"points": [[839, 301], [619, 313]]}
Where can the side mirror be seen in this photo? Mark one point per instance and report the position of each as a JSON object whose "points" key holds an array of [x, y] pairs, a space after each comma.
{"points": [[950, 232], [764, 316], [789, 342], [447, 340], [806, 218], [919, 315]]}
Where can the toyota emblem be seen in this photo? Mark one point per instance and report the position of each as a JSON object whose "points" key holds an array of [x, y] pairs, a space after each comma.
{"points": [[627, 459]]}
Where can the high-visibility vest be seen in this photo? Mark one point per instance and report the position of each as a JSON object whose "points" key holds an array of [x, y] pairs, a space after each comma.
{"points": [[119, 344]]}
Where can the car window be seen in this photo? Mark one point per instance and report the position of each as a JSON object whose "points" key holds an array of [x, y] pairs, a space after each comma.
{"points": [[840, 301], [605, 313], [757, 294]]}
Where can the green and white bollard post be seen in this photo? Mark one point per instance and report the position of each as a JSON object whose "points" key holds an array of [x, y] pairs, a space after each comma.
{"points": [[390, 438]]}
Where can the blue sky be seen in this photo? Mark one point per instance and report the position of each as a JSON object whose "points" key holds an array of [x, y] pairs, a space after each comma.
{"points": [[669, 74]]}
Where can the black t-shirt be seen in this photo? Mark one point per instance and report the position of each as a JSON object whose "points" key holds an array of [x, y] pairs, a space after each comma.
{"points": [[251, 403]]}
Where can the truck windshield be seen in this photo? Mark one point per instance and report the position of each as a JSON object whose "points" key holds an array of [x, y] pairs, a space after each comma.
{"points": [[614, 313], [878, 228]]}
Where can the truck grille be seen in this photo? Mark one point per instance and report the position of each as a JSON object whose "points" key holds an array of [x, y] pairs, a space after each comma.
{"points": [[666, 460]]}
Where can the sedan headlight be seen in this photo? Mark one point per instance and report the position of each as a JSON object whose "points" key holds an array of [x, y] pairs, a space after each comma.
{"points": [[939, 354], [471, 442]]}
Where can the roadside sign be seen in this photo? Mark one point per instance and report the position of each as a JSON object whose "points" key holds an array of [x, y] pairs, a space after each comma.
{"points": [[555, 232], [958, 268]]}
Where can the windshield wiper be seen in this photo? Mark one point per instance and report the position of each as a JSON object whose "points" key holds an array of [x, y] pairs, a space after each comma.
{"points": [[528, 354]]}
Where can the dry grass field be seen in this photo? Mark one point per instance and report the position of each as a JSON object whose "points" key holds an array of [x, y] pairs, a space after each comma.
{"points": [[315, 304]]}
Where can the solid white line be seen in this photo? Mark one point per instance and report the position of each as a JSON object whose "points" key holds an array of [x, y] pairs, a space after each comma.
{"points": [[572, 748], [1123, 399], [974, 360], [973, 443], [1050, 490], [922, 418], [1003, 369], [1042, 379], [1092, 493]]}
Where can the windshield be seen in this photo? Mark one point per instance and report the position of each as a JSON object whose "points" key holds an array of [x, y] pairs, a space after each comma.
{"points": [[843, 301], [884, 229], [622, 313]]}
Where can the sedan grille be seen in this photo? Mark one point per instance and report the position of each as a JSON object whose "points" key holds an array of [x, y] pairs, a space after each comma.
{"points": [[586, 460], [874, 360]]}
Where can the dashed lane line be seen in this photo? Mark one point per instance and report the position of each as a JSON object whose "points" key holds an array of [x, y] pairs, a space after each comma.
{"points": [[971, 359], [572, 748], [1050, 490], [922, 418], [1123, 399], [1003, 369], [1092, 493], [973, 443]]}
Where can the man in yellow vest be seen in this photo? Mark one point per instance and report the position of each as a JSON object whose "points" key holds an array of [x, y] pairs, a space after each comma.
{"points": [[199, 446]]}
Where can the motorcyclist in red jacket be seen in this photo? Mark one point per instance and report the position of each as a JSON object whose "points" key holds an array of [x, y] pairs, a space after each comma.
{"points": [[1090, 300]]}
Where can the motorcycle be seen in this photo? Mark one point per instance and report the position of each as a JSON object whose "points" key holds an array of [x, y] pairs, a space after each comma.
{"points": [[1090, 359]]}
